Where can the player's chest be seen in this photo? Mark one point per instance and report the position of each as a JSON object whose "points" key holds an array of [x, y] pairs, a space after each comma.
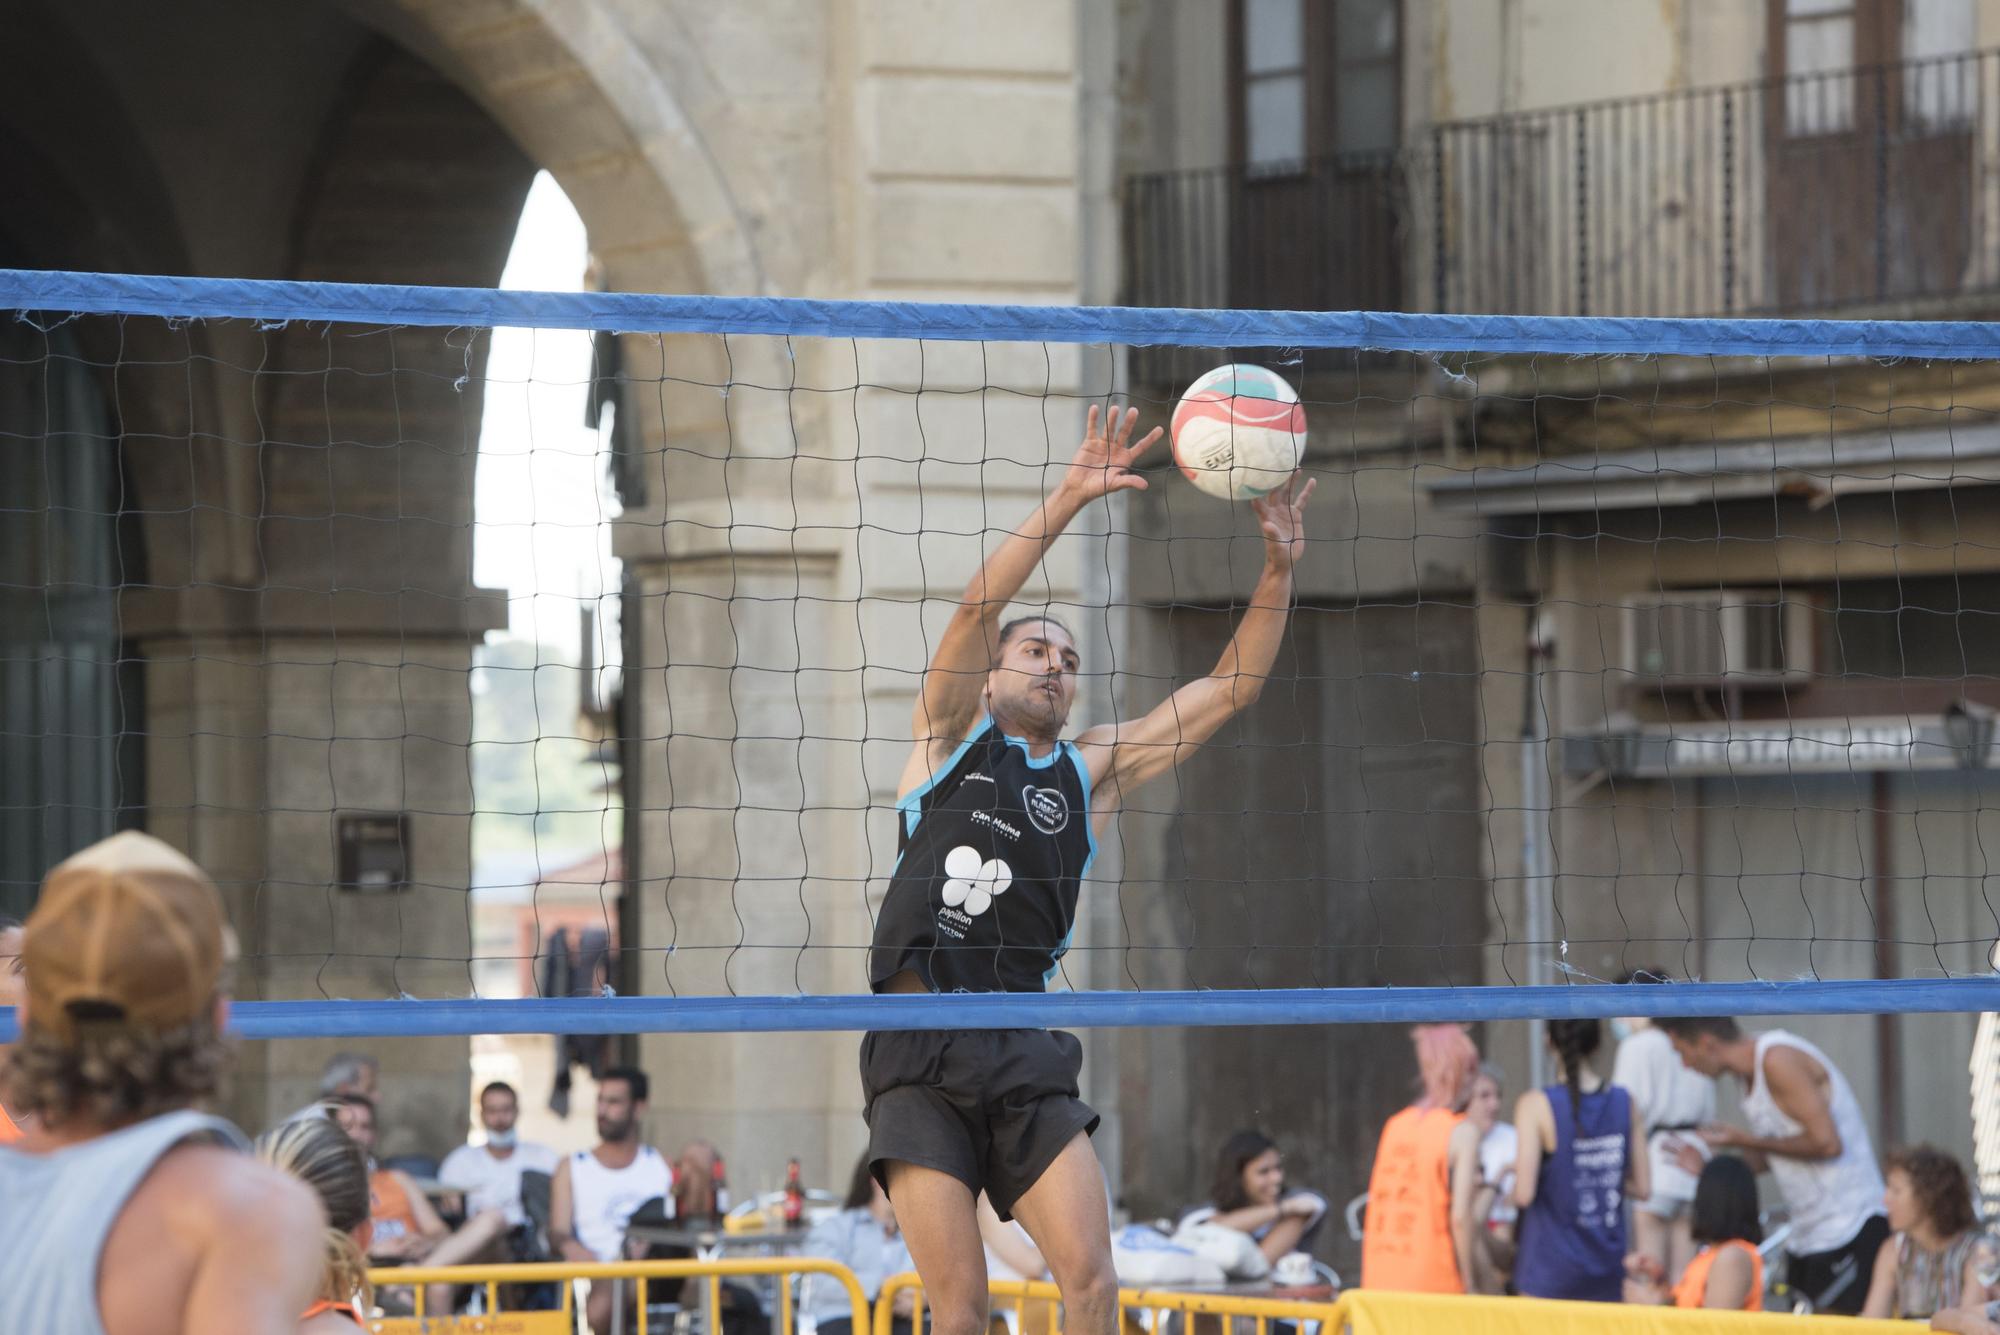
{"points": [[1015, 804]]}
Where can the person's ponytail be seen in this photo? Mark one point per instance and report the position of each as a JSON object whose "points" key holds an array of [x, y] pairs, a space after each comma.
{"points": [[1574, 1040], [312, 1148], [346, 1279]]}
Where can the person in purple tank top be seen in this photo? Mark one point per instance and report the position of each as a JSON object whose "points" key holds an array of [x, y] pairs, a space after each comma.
{"points": [[1576, 1170]]}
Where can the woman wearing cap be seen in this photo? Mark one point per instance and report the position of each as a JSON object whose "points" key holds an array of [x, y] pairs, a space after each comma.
{"points": [[12, 985], [313, 1149], [126, 1210]]}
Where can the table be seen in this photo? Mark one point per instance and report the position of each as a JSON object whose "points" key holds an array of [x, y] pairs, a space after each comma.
{"points": [[709, 1242]]}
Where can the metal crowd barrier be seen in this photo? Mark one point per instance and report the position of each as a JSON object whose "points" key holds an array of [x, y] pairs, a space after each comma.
{"points": [[1263, 1310], [1354, 1312], [563, 1320]]}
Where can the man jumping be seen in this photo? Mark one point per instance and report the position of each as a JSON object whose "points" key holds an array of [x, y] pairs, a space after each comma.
{"points": [[998, 820]]}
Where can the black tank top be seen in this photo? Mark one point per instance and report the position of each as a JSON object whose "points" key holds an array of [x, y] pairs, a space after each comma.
{"points": [[991, 854]]}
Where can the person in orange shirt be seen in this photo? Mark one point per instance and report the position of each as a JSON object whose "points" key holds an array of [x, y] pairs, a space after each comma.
{"points": [[1406, 1241], [1727, 1273], [12, 980], [406, 1226]]}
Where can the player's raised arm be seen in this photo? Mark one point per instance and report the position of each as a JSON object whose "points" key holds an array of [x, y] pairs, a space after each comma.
{"points": [[1122, 756], [950, 698]]}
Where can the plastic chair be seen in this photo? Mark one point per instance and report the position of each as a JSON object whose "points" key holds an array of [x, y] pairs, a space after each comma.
{"points": [[1356, 1212], [1779, 1295]]}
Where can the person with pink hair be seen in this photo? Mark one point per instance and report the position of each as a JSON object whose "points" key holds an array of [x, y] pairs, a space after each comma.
{"points": [[1406, 1242]]}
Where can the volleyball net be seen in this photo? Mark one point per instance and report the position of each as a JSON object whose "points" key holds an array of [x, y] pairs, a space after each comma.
{"points": [[546, 662]]}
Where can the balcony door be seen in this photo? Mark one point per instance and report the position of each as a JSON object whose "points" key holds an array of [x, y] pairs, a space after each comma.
{"points": [[1869, 135], [1317, 98]]}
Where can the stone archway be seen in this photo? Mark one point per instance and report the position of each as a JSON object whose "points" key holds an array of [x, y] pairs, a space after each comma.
{"points": [[580, 98]]}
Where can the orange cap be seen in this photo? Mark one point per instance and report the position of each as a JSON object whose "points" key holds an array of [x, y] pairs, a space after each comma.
{"points": [[128, 931]]}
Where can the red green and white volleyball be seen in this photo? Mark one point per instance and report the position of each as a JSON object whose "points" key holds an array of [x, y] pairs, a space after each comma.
{"points": [[1239, 432]]}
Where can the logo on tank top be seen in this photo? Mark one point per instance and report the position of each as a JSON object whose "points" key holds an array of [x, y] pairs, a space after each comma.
{"points": [[1048, 809], [972, 884]]}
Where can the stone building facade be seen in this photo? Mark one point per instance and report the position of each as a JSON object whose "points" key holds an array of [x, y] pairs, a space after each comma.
{"points": [[299, 644]]}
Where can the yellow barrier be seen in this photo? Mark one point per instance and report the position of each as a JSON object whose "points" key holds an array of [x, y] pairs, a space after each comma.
{"points": [[562, 1320], [1263, 1310], [1376, 1312]]}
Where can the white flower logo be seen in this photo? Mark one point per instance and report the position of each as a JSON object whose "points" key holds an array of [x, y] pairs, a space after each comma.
{"points": [[974, 884]]}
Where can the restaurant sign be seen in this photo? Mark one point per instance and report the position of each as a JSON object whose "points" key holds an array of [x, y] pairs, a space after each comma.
{"points": [[1787, 746]]}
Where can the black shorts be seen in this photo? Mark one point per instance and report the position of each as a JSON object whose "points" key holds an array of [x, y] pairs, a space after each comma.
{"points": [[1837, 1280], [992, 1107]]}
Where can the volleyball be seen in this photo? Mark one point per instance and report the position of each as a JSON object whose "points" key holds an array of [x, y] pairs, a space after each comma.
{"points": [[1239, 432]]}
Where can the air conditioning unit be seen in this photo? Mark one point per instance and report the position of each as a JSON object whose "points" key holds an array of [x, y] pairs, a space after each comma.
{"points": [[1744, 638]]}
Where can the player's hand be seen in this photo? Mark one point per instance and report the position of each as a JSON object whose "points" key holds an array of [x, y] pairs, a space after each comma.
{"points": [[1281, 517], [1687, 1155], [1103, 463], [1720, 1135]]}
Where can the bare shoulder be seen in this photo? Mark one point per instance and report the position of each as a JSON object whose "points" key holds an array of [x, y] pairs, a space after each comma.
{"points": [[1731, 1263], [1785, 1065], [930, 755], [1099, 748], [237, 1190], [202, 1212]]}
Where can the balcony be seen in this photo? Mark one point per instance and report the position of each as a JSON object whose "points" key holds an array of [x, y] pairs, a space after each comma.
{"points": [[1871, 190]]}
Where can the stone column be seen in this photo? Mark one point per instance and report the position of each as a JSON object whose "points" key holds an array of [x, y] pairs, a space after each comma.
{"points": [[792, 580]]}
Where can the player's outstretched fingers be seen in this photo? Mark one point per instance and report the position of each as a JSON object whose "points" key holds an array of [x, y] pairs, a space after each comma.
{"points": [[1126, 421], [1146, 442]]}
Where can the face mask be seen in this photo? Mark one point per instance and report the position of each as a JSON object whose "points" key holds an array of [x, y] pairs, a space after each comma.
{"points": [[1620, 1030], [501, 1140]]}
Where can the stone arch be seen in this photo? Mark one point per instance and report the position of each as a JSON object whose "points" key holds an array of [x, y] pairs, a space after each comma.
{"points": [[580, 97]]}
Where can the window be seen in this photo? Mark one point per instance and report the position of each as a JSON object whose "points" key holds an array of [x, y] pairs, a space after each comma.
{"points": [[1939, 92], [1819, 58], [1366, 117], [1316, 79], [1274, 83]]}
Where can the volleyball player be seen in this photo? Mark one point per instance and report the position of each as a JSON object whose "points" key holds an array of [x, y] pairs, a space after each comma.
{"points": [[122, 1210], [998, 818]]}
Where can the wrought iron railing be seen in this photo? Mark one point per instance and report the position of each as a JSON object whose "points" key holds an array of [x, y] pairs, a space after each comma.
{"points": [[1865, 188]]}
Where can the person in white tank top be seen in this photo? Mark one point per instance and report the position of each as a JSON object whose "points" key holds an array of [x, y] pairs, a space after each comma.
{"points": [[595, 1192], [1805, 1127]]}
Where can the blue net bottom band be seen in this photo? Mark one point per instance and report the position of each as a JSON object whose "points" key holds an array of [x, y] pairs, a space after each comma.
{"points": [[1096, 1010]]}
